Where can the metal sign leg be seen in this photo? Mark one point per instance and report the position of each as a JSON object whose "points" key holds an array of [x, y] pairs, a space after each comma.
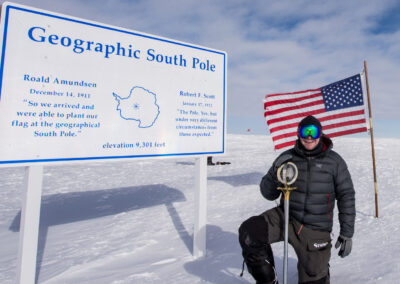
{"points": [[29, 227], [199, 234]]}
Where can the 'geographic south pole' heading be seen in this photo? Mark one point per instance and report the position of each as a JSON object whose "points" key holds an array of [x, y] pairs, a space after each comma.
{"points": [[107, 50]]}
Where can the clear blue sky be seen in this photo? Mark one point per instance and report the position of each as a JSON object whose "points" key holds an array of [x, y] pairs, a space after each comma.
{"points": [[273, 46]]}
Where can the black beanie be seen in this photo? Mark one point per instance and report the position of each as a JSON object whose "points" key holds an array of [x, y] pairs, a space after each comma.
{"points": [[310, 120]]}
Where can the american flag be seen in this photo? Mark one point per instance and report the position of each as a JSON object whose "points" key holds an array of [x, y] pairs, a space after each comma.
{"points": [[338, 106]]}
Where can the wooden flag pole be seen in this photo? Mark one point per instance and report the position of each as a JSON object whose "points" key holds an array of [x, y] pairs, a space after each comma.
{"points": [[372, 140]]}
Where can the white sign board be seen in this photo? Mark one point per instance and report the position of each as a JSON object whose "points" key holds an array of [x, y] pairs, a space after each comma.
{"points": [[73, 89]]}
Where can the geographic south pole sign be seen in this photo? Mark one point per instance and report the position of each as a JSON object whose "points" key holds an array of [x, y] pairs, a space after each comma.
{"points": [[73, 89]]}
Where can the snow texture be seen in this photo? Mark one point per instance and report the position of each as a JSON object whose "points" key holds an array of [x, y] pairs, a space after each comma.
{"points": [[132, 221]]}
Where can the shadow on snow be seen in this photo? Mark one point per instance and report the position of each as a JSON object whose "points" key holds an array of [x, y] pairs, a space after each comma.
{"points": [[240, 180], [223, 260], [63, 208]]}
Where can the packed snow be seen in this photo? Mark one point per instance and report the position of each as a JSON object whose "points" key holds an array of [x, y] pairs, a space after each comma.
{"points": [[132, 221]]}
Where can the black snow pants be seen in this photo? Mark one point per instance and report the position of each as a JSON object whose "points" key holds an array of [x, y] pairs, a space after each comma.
{"points": [[312, 247]]}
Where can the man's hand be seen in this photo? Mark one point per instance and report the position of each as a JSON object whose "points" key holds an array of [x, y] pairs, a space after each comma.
{"points": [[345, 246]]}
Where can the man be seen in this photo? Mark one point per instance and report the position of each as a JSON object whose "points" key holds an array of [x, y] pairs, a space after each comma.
{"points": [[323, 178]]}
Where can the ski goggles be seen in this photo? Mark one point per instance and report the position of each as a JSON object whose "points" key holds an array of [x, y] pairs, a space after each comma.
{"points": [[309, 130]]}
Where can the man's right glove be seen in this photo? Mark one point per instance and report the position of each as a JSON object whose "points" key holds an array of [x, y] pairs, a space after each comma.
{"points": [[345, 246]]}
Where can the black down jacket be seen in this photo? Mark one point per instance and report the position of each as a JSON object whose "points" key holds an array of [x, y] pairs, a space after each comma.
{"points": [[323, 178]]}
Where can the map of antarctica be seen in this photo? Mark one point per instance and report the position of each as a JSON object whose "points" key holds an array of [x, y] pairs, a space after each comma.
{"points": [[141, 105]]}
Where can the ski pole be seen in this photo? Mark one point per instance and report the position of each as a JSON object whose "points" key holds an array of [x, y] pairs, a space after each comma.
{"points": [[287, 175]]}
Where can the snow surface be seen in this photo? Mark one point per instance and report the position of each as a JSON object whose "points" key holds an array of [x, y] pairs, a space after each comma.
{"points": [[132, 221]]}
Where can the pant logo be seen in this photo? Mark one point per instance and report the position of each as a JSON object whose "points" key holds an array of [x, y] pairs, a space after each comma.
{"points": [[320, 245]]}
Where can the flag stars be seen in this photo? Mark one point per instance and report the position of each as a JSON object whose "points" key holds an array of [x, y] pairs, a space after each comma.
{"points": [[343, 94]]}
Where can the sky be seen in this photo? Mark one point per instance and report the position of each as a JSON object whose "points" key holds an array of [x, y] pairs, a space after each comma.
{"points": [[272, 46]]}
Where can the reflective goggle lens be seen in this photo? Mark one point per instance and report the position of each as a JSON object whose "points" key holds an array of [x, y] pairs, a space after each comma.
{"points": [[309, 130]]}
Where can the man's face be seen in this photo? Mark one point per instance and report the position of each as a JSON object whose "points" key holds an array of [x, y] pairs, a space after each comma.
{"points": [[309, 143]]}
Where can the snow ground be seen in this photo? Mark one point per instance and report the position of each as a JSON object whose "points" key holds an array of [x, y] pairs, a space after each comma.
{"points": [[132, 221]]}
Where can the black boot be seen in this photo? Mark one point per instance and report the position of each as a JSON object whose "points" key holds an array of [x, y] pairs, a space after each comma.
{"points": [[262, 270], [257, 252]]}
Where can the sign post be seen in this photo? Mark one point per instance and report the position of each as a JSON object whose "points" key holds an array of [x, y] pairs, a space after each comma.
{"points": [[29, 227], [199, 234]]}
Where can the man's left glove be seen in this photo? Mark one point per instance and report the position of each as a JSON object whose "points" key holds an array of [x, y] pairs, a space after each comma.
{"points": [[345, 246]]}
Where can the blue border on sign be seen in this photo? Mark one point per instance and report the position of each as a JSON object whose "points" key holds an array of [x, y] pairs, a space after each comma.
{"points": [[3, 51]]}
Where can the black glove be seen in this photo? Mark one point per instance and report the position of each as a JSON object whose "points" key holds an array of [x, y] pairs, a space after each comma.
{"points": [[345, 246]]}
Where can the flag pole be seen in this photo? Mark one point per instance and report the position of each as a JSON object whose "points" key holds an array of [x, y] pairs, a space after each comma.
{"points": [[372, 139]]}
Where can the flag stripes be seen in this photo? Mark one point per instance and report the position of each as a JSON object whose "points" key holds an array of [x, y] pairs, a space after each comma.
{"points": [[346, 114]]}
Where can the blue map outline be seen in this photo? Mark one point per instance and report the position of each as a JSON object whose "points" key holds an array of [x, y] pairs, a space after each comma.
{"points": [[118, 98]]}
